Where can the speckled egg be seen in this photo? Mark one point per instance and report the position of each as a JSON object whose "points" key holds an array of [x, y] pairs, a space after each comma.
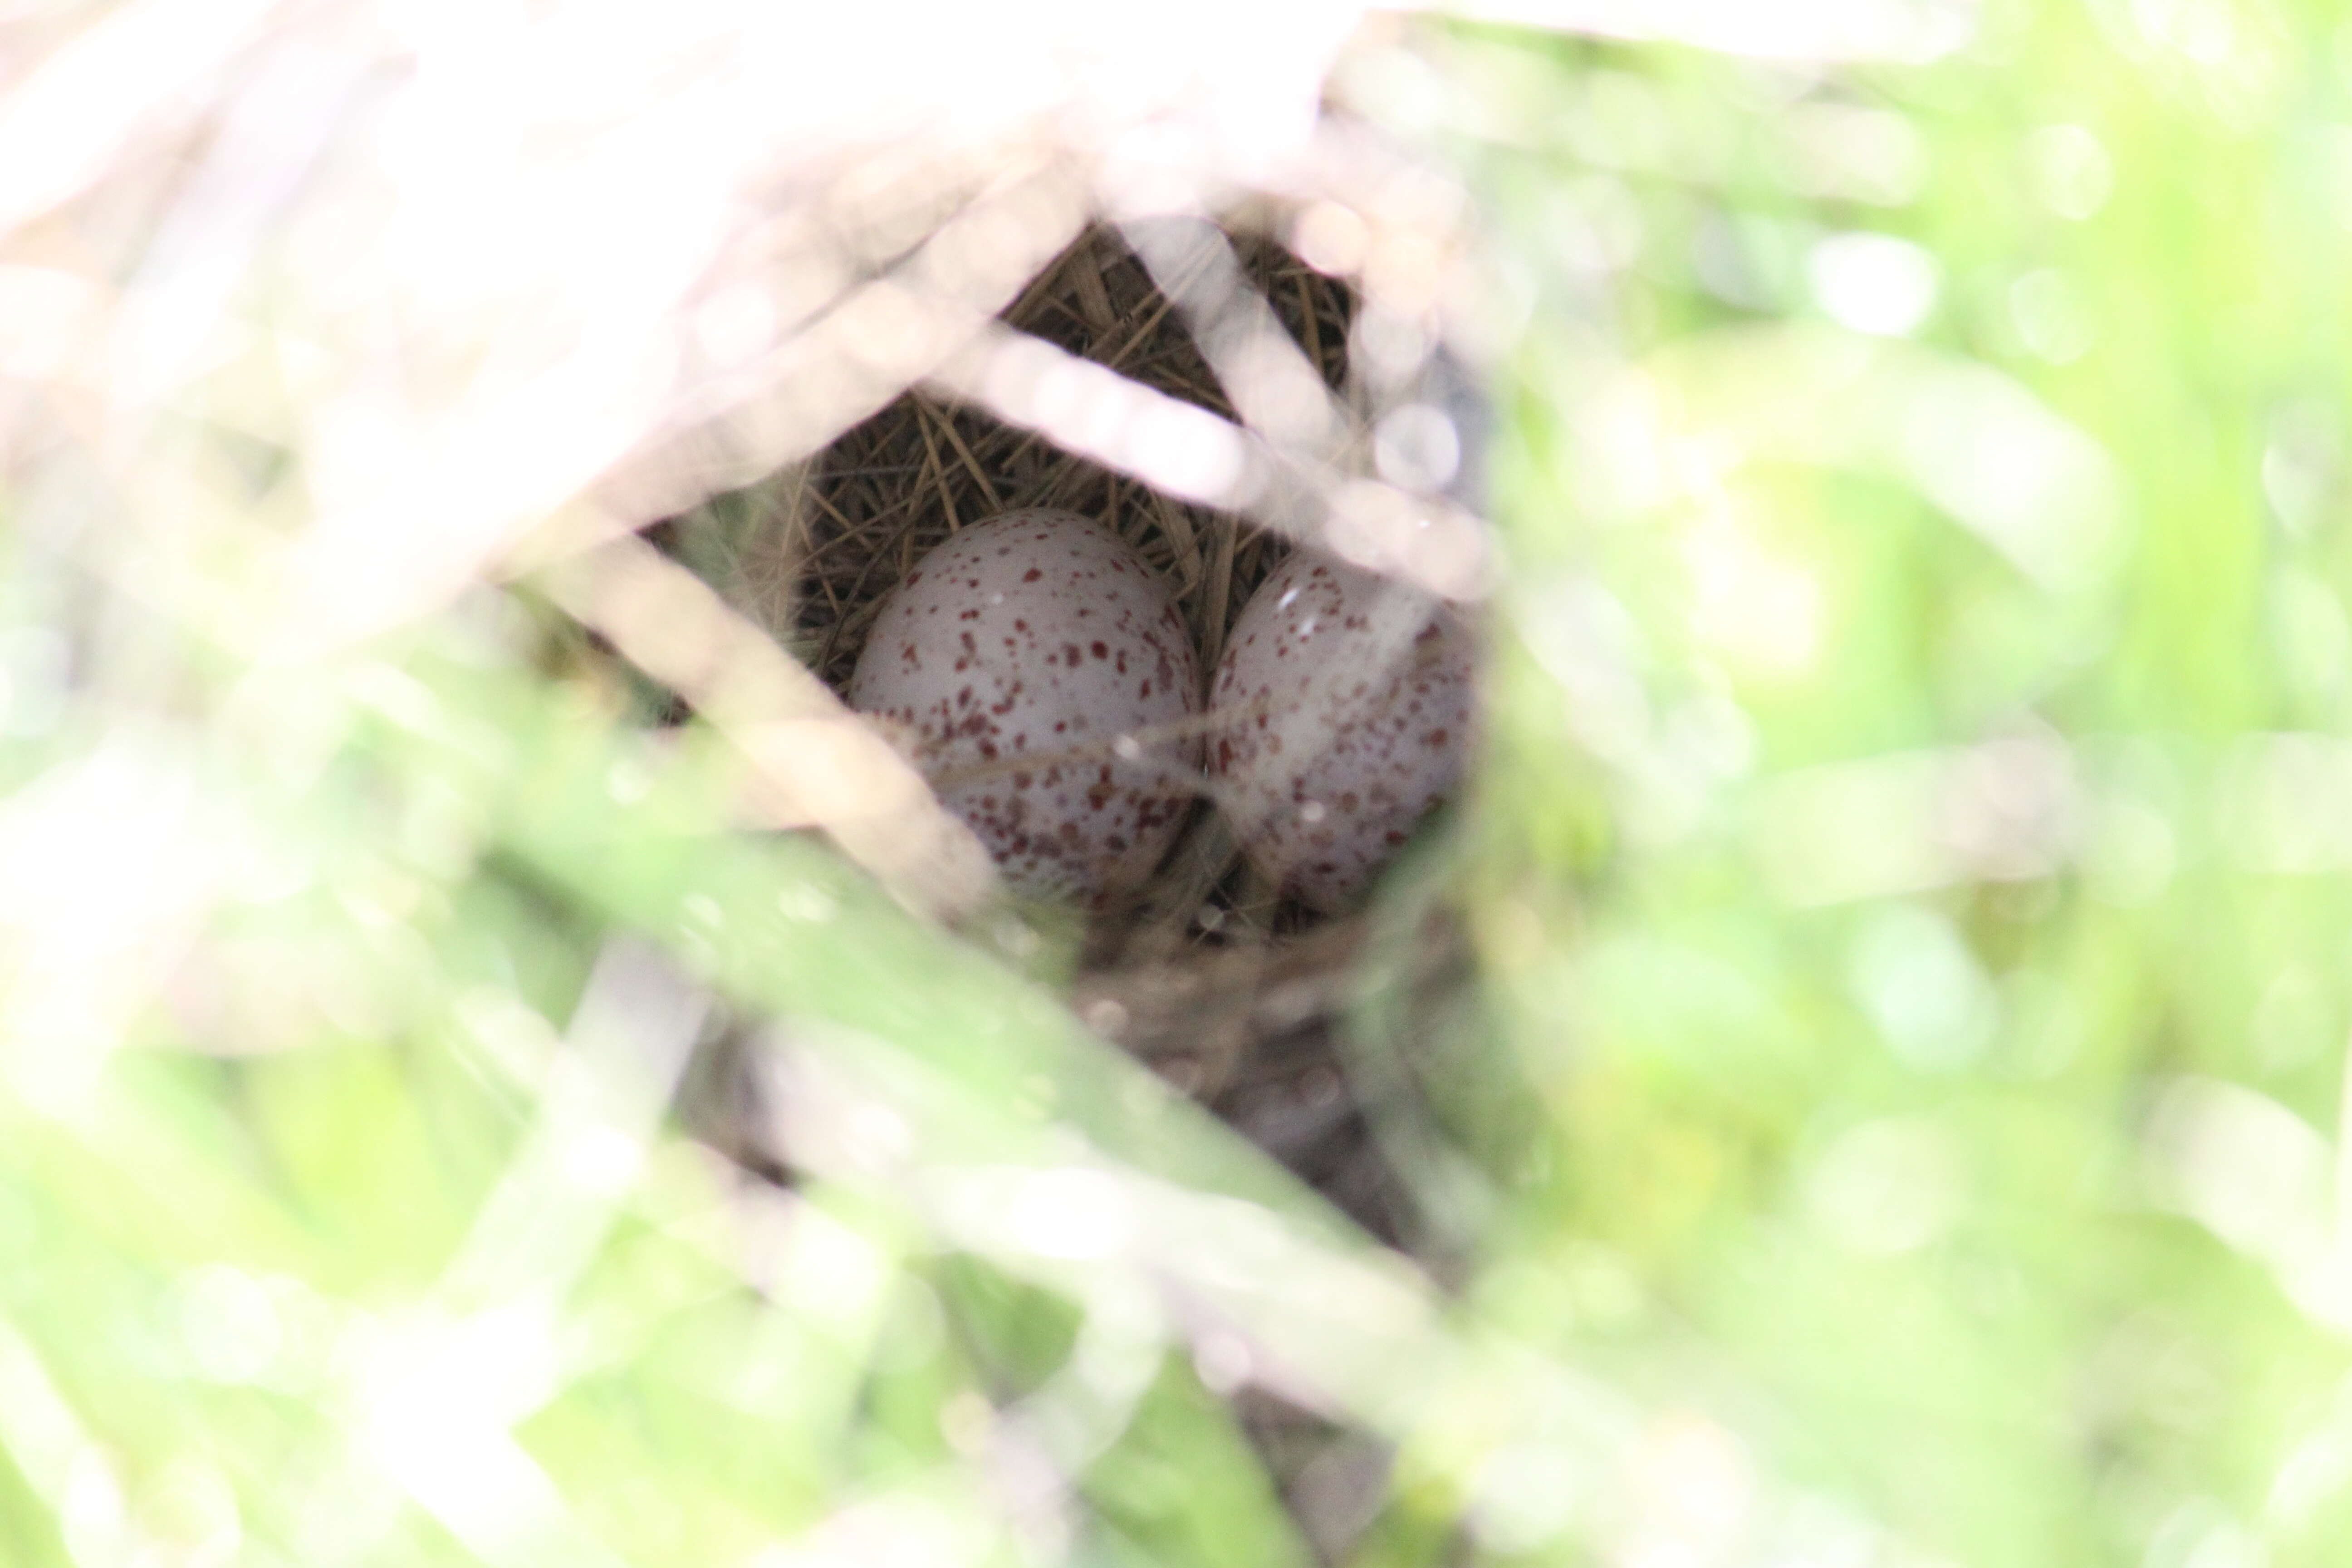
{"points": [[1043, 670], [1342, 707]]}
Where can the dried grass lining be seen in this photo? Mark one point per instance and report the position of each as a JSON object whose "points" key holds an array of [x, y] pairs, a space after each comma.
{"points": [[828, 541], [895, 485], [1231, 995]]}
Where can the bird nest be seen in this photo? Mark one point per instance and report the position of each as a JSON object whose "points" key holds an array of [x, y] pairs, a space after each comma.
{"points": [[1207, 971], [814, 551]]}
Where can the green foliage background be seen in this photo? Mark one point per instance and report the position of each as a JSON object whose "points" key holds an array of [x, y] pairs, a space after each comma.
{"points": [[1896, 1118]]}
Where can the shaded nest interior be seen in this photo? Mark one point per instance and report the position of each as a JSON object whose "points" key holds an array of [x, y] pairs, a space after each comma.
{"points": [[895, 485], [816, 551], [1232, 992]]}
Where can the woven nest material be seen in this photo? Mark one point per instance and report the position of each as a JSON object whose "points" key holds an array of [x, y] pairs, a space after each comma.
{"points": [[816, 550], [1231, 991], [897, 484]]}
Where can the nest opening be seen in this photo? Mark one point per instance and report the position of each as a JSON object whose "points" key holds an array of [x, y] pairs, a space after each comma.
{"points": [[846, 527], [1232, 992]]}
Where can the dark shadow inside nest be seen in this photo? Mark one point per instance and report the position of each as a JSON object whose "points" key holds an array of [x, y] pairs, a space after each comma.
{"points": [[890, 489]]}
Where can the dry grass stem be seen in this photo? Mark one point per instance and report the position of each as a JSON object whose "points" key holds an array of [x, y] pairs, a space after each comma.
{"points": [[821, 765]]}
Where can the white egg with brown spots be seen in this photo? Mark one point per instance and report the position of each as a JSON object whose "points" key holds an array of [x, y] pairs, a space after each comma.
{"points": [[1341, 707], [1043, 670]]}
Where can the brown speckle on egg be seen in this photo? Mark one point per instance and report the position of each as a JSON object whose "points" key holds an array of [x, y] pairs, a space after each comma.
{"points": [[1019, 585], [1346, 698]]}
